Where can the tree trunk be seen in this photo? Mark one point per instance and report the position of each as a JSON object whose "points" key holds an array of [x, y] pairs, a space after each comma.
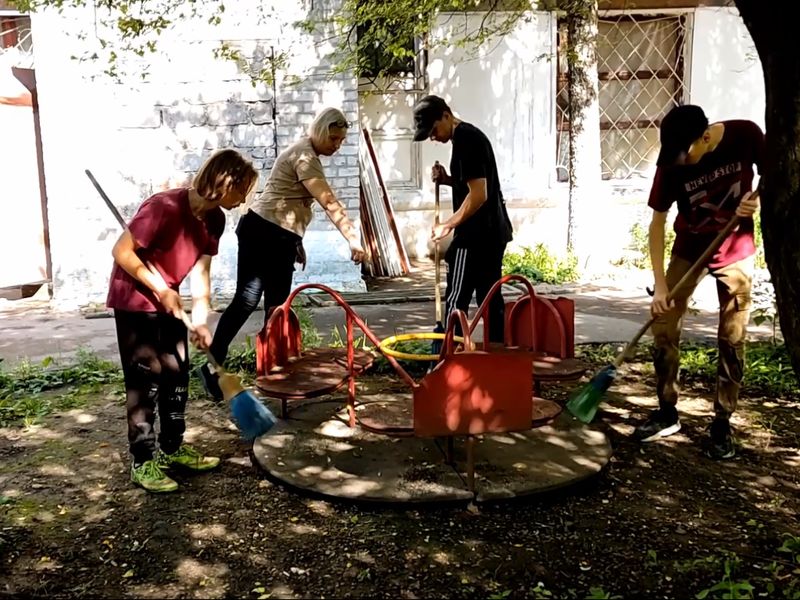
{"points": [[584, 134], [775, 37]]}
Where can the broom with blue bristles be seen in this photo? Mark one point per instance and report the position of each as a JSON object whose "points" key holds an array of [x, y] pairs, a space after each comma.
{"points": [[248, 412], [583, 405]]}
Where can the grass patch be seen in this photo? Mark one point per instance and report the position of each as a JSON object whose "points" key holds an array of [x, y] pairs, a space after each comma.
{"points": [[23, 390], [768, 369]]}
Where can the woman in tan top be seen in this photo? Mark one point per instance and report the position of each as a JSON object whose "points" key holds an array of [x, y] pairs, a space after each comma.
{"points": [[271, 233]]}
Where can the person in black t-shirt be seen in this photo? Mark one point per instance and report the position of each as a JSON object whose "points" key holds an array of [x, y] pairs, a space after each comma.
{"points": [[480, 224]]}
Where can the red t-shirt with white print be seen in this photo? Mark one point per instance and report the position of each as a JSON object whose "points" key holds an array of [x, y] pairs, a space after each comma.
{"points": [[172, 239], [708, 194]]}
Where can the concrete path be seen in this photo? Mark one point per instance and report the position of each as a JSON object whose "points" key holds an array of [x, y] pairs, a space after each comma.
{"points": [[30, 329]]}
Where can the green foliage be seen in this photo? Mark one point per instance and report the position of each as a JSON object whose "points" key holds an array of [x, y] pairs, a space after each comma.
{"points": [[598, 593], [311, 335], [262, 69], [765, 305], [380, 35], [126, 31], [22, 390], [371, 38], [242, 359], [768, 369], [781, 580], [760, 260], [639, 247], [415, 368], [338, 338], [540, 266], [728, 588]]}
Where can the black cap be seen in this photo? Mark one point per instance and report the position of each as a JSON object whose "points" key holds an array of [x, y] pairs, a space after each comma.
{"points": [[681, 126], [426, 112]]}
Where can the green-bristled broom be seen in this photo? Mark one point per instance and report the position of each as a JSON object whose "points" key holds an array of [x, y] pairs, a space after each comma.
{"points": [[583, 404]]}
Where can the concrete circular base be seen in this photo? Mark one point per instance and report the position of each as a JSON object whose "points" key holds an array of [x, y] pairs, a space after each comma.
{"points": [[316, 451]]}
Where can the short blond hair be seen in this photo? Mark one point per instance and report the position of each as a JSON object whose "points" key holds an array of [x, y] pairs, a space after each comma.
{"points": [[223, 171], [327, 118]]}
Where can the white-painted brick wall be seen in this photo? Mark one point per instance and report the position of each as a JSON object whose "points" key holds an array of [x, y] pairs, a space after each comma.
{"points": [[138, 136]]}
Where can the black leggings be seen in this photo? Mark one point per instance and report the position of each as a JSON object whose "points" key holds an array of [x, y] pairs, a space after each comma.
{"points": [[267, 253], [153, 349]]}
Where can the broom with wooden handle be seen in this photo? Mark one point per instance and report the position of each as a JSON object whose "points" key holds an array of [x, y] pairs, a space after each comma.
{"points": [[436, 345], [583, 405], [252, 417]]}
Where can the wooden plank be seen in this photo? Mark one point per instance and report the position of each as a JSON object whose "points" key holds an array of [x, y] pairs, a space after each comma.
{"points": [[388, 254], [384, 195]]}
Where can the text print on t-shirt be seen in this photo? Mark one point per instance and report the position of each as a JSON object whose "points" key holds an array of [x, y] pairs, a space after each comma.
{"points": [[707, 207]]}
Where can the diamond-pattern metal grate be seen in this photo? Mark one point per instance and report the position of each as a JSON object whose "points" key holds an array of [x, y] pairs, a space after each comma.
{"points": [[16, 42], [640, 64]]}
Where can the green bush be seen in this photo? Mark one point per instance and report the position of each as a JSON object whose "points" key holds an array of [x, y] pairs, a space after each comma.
{"points": [[640, 247], [538, 265]]}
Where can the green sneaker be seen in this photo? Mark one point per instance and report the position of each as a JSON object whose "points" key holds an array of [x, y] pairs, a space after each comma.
{"points": [[150, 476], [187, 457]]}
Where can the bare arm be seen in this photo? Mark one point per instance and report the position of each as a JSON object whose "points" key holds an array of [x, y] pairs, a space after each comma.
{"points": [[655, 241], [124, 253], [201, 290], [474, 200], [323, 194], [201, 302], [655, 238]]}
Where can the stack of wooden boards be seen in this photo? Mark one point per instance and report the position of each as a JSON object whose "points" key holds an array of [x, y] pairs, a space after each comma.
{"points": [[386, 255]]}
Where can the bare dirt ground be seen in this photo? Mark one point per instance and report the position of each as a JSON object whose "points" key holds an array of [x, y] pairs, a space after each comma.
{"points": [[660, 521]]}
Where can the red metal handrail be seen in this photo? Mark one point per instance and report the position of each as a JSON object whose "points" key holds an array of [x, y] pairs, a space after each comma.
{"points": [[352, 318], [483, 310]]}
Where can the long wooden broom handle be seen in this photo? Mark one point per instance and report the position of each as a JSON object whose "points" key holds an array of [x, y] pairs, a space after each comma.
{"points": [[690, 275], [438, 279]]}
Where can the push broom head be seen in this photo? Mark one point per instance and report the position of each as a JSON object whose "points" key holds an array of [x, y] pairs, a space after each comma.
{"points": [[251, 416], [583, 405]]}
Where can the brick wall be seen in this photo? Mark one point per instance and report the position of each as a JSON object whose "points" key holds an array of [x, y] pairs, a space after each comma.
{"points": [[140, 136]]}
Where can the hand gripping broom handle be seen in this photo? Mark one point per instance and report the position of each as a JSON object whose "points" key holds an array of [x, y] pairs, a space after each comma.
{"points": [[210, 357], [183, 316], [690, 275]]}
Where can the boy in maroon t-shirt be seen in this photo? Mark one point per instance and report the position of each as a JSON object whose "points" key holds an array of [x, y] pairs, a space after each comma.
{"points": [[172, 234], [708, 171]]}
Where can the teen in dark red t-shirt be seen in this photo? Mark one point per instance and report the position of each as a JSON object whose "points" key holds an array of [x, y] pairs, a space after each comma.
{"points": [[707, 169], [174, 233]]}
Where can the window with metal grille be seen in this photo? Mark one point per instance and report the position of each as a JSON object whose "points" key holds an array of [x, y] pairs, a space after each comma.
{"points": [[640, 64], [15, 32]]}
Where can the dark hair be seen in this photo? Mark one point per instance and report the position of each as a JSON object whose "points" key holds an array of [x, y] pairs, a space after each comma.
{"points": [[223, 171]]}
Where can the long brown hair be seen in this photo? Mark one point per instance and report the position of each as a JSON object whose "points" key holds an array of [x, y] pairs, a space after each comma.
{"points": [[223, 171]]}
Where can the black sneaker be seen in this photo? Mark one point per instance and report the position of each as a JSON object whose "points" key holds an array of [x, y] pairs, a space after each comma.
{"points": [[722, 447], [210, 382], [661, 423]]}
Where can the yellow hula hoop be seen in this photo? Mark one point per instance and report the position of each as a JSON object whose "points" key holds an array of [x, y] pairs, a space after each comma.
{"points": [[386, 345]]}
